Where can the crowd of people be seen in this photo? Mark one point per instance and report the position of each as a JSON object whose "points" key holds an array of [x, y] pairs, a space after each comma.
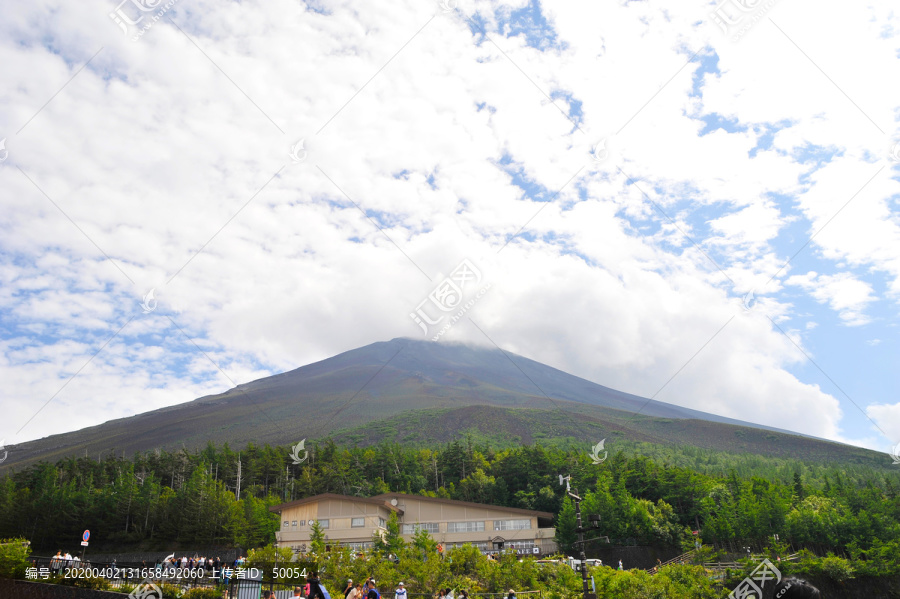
{"points": [[61, 561], [789, 588], [314, 589]]}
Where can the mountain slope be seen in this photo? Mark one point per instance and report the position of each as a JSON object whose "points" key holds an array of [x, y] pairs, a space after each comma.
{"points": [[380, 381]]}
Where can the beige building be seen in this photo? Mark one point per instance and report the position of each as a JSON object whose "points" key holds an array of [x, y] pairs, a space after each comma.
{"points": [[354, 520]]}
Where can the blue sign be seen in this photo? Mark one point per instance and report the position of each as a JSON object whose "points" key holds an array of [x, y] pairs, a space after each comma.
{"points": [[86, 535]]}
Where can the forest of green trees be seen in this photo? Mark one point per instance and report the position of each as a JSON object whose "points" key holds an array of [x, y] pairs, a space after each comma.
{"points": [[646, 495]]}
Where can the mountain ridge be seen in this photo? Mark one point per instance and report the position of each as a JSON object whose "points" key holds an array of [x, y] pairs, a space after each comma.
{"points": [[374, 383]]}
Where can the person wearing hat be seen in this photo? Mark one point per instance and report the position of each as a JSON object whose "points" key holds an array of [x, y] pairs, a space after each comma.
{"points": [[400, 593], [349, 588], [373, 592], [512, 594]]}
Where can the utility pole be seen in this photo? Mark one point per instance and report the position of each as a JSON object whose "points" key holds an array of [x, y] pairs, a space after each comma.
{"points": [[595, 524], [237, 494]]}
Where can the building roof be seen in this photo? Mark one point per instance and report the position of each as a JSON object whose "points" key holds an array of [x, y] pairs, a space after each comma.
{"points": [[322, 496], [516, 510]]}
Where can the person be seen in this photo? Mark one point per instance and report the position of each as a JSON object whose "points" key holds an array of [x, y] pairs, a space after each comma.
{"points": [[620, 564], [512, 594], [463, 595], [373, 592], [400, 593], [440, 549], [315, 589], [349, 587], [792, 587], [267, 594], [356, 592], [441, 594], [298, 591]]}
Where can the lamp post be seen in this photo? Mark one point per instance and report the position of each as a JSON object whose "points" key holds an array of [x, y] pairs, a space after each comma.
{"points": [[595, 524]]}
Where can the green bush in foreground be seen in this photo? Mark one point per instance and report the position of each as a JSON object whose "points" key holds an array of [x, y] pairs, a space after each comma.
{"points": [[464, 568], [84, 579], [203, 594], [681, 582], [13, 558]]}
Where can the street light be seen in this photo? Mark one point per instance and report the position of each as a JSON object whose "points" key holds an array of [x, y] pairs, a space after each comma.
{"points": [[594, 519]]}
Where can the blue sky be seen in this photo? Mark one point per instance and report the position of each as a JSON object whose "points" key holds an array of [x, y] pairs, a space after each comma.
{"points": [[623, 175]]}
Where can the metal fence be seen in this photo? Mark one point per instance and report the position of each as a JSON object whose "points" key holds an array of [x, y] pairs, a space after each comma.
{"points": [[227, 554], [759, 546]]}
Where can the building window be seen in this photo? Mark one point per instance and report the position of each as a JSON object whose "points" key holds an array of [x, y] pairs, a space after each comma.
{"points": [[286, 524], [512, 524], [357, 522], [293, 524], [381, 522], [479, 546], [465, 526], [519, 545], [324, 523], [429, 527], [359, 546]]}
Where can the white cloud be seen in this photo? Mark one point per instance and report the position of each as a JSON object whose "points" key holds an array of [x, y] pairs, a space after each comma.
{"points": [[152, 149], [887, 416], [844, 293]]}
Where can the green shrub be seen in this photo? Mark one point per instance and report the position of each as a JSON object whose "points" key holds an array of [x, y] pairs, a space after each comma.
{"points": [[13, 558], [171, 591], [836, 568], [83, 579], [203, 594]]}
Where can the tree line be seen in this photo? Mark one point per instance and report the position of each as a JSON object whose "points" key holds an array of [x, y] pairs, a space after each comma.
{"points": [[163, 499]]}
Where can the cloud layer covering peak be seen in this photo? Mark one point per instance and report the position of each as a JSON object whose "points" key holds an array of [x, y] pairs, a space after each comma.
{"points": [[700, 213]]}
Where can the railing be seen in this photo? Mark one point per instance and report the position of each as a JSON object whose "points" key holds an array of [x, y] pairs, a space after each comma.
{"points": [[684, 557]]}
